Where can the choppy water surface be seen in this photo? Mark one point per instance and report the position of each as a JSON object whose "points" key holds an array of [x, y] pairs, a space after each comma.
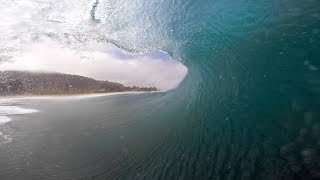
{"points": [[248, 108]]}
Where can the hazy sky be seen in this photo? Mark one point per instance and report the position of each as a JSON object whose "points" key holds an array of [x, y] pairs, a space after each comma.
{"points": [[101, 61]]}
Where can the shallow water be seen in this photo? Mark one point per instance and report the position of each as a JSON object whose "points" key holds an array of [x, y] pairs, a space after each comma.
{"points": [[79, 137]]}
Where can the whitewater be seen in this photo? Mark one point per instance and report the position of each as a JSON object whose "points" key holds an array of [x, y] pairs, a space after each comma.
{"points": [[247, 108]]}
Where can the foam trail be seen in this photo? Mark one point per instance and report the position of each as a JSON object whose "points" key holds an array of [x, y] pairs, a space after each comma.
{"points": [[15, 110], [5, 138], [8, 110], [4, 119]]}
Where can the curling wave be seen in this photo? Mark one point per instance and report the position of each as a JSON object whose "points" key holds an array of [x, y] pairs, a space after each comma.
{"points": [[249, 106]]}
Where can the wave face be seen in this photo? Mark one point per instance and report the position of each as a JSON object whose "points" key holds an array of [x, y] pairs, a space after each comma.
{"points": [[249, 107]]}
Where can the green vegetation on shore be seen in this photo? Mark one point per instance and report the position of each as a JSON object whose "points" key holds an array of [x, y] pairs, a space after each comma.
{"points": [[19, 83]]}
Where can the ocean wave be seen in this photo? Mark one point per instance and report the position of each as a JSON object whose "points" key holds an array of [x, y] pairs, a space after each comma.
{"points": [[248, 108]]}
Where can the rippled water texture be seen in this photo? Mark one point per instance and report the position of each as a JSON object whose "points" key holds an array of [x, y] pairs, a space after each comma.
{"points": [[248, 108]]}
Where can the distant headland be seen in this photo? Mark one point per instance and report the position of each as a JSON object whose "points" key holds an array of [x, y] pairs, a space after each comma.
{"points": [[24, 83]]}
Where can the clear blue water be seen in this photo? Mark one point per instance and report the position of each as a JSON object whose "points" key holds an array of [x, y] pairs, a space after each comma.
{"points": [[248, 108]]}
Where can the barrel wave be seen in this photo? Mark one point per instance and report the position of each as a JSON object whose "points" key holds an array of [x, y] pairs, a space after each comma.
{"points": [[248, 108]]}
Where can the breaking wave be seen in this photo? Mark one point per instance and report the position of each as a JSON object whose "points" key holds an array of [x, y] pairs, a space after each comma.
{"points": [[249, 106]]}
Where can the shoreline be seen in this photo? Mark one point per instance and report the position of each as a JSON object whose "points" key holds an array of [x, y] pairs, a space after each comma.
{"points": [[73, 96]]}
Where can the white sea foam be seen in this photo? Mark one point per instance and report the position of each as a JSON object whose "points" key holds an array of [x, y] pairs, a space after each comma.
{"points": [[5, 138], [14, 110], [8, 110], [4, 119]]}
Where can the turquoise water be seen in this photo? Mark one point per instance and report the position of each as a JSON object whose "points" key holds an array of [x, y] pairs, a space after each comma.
{"points": [[248, 108]]}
